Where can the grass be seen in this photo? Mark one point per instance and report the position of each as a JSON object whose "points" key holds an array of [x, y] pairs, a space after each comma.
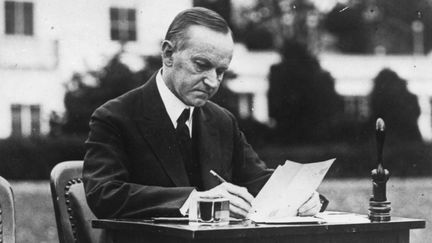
{"points": [[410, 197]]}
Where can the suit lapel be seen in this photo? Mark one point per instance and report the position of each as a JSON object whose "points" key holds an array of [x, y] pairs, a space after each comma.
{"points": [[209, 146], [156, 128]]}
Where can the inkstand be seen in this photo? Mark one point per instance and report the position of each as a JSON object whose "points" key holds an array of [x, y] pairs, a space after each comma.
{"points": [[379, 207]]}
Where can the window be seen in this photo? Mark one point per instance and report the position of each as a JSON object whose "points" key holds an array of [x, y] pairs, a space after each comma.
{"points": [[16, 120], [35, 118], [356, 108], [26, 120], [123, 24], [19, 18]]}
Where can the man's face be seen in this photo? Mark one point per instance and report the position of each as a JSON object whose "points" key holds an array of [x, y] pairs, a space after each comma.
{"points": [[196, 71]]}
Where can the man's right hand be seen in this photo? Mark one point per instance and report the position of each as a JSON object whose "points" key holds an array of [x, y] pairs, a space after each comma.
{"points": [[239, 197]]}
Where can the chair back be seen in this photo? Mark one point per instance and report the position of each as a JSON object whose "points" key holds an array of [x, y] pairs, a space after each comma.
{"points": [[7, 212], [73, 216]]}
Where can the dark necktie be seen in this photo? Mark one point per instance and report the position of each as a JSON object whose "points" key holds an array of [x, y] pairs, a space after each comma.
{"points": [[186, 149], [182, 129]]}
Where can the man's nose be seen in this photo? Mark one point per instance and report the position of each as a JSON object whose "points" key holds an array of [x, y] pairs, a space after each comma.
{"points": [[211, 79]]}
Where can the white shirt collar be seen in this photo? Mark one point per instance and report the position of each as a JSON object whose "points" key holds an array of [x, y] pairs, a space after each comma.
{"points": [[173, 105]]}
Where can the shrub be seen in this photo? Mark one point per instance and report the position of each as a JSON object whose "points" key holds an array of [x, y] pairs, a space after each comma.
{"points": [[356, 159], [302, 97], [392, 101], [34, 158]]}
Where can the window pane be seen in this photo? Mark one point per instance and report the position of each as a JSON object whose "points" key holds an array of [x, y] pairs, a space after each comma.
{"points": [[114, 14], [131, 15], [16, 120], [10, 17], [123, 24], [28, 18], [115, 35], [35, 119], [132, 35]]}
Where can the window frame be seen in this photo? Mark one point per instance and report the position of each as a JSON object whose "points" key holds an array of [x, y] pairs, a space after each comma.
{"points": [[123, 24], [19, 18]]}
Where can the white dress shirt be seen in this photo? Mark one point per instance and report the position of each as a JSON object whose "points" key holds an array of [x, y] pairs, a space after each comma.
{"points": [[174, 107]]}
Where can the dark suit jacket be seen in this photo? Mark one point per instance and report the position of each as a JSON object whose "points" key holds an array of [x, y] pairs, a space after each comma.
{"points": [[133, 166]]}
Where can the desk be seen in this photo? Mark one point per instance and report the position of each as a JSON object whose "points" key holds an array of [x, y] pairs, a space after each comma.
{"points": [[395, 231]]}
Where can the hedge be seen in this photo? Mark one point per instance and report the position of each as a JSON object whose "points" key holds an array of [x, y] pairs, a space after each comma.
{"points": [[34, 158], [357, 160]]}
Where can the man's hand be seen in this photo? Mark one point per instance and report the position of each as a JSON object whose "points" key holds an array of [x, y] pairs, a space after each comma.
{"points": [[239, 197], [311, 207]]}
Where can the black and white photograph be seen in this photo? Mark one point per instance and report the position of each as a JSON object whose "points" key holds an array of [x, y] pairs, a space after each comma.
{"points": [[215, 121]]}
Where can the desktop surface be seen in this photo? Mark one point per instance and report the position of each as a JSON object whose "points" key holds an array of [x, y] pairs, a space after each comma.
{"points": [[396, 230]]}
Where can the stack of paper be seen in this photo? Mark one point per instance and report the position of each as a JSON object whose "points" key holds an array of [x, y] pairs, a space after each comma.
{"points": [[291, 185]]}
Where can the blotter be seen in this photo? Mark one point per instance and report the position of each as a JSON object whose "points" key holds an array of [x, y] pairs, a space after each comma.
{"points": [[288, 188]]}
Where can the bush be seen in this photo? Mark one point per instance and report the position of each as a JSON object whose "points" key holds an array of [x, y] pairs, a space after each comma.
{"points": [[356, 159], [392, 101], [113, 80], [302, 97], [34, 158]]}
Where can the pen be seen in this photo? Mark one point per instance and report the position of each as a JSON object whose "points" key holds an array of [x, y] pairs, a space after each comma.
{"points": [[222, 180]]}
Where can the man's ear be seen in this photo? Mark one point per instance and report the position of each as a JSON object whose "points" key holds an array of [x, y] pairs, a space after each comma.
{"points": [[167, 52]]}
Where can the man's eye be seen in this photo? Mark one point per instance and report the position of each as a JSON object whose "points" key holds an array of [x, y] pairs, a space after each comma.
{"points": [[201, 66]]}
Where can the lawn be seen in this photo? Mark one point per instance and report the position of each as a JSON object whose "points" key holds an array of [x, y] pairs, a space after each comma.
{"points": [[410, 197]]}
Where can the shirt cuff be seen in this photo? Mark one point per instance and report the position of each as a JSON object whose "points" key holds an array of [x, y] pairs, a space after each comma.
{"points": [[184, 210]]}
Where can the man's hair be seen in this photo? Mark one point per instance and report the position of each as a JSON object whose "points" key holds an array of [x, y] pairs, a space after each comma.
{"points": [[194, 16]]}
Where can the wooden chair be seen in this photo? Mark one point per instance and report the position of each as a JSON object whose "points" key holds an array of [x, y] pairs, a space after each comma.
{"points": [[7, 212], [73, 216]]}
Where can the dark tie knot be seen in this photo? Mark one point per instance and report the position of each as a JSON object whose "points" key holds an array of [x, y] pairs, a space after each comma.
{"points": [[184, 116]]}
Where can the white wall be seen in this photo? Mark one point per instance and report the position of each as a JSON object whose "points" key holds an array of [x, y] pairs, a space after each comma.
{"points": [[354, 76], [70, 36]]}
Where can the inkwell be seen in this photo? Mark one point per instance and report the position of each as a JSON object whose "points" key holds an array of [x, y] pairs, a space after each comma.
{"points": [[379, 207]]}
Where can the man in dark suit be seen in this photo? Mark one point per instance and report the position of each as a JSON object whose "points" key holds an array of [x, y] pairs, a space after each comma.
{"points": [[149, 151]]}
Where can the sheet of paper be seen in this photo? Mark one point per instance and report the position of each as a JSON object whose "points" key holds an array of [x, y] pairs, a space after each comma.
{"points": [[287, 189], [293, 220], [342, 217]]}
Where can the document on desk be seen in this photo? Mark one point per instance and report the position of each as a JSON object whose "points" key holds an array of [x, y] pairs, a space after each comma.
{"points": [[288, 188]]}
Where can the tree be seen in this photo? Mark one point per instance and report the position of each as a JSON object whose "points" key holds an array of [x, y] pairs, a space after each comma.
{"points": [[391, 100], [222, 7], [350, 28], [269, 24], [362, 26], [114, 79], [302, 98]]}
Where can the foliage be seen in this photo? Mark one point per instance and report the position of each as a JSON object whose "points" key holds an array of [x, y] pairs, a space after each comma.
{"points": [[350, 28], [114, 79], [33, 158], [268, 24], [391, 100], [361, 26], [222, 7], [403, 158], [302, 98]]}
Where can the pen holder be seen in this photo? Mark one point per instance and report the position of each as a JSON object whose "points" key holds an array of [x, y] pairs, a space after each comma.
{"points": [[211, 211]]}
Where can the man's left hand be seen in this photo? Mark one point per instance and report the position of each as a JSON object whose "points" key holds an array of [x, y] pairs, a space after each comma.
{"points": [[311, 207]]}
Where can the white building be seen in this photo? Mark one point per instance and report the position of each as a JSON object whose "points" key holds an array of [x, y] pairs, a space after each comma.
{"points": [[42, 42], [354, 76], [251, 84]]}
